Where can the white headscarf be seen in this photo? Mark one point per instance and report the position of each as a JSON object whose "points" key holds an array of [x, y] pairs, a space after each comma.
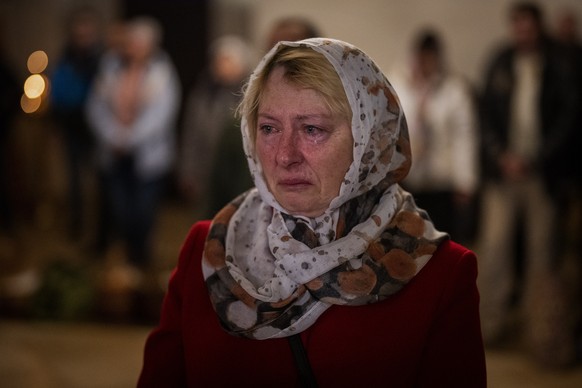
{"points": [[271, 274]]}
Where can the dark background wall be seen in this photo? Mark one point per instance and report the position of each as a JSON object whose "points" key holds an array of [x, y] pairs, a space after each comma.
{"points": [[185, 24]]}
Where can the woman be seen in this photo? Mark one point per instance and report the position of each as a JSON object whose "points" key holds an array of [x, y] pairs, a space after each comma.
{"points": [[132, 109], [210, 130], [442, 123], [326, 272]]}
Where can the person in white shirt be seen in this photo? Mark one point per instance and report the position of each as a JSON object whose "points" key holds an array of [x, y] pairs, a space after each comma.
{"points": [[440, 108], [132, 110]]}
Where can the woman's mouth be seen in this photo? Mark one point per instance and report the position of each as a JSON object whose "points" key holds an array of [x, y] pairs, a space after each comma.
{"points": [[294, 183]]}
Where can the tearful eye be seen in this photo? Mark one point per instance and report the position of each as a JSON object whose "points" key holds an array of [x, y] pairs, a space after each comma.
{"points": [[266, 129], [312, 130]]}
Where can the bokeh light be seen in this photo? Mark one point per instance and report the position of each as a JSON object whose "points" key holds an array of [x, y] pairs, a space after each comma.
{"points": [[37, 62], [30, 105], [34, 86]]}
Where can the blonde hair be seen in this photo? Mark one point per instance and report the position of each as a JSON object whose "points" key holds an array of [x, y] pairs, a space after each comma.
{"points": [[305, 68]]}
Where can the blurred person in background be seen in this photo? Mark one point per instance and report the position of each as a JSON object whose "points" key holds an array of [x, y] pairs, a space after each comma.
{"points": [[211, 154], [70, 83], [132, 109], [442, 121], [291, 28], [529, 107]]}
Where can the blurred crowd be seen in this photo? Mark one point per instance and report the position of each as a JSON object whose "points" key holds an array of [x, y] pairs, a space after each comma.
{"points": [[501, 156]]}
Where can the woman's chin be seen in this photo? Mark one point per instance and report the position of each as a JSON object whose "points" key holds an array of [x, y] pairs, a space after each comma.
{"points": [[303, 208]]}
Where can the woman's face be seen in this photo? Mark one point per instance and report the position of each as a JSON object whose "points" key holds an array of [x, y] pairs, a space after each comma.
{"points": [[304, 150]]}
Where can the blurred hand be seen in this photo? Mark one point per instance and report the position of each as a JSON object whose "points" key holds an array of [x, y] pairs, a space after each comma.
{"points": [[462, 199], [513, 167]]}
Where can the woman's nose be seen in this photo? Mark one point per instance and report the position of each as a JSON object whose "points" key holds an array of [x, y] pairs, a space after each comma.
{"points": [[289, 152]]}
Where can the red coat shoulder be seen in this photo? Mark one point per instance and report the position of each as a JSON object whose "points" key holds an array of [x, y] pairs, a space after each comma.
{"points": [[428, 334]]}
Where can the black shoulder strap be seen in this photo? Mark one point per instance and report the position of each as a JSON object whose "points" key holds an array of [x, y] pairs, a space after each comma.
{"points": [[302, 362]]}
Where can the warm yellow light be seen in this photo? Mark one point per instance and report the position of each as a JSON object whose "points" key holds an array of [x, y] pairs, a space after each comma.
{"points": [[34, 86], [29, 105], [37, 62]]}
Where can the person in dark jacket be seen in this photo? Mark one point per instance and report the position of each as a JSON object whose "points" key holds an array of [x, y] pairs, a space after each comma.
{"points": [[71, 81], [528, 110]]}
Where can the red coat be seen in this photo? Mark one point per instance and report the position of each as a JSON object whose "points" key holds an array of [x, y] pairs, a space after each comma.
{"points": [[426, 335]]}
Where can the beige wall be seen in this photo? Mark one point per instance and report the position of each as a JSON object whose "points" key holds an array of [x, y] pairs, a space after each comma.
{"points": [[384, 28]]}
